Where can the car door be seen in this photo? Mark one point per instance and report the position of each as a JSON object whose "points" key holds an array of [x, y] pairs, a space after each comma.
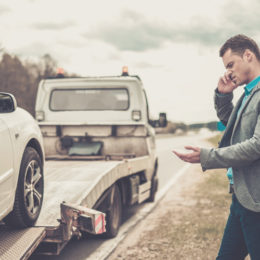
{"points": [[6, 168]]}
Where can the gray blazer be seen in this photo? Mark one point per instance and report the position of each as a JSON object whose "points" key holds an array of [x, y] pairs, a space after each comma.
{"points": [[239, 147]]}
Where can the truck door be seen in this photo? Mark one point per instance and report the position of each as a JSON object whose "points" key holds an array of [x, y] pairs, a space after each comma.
{"points": [[6, 168]]}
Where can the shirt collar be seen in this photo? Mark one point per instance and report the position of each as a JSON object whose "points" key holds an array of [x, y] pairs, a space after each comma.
{"points": [[248, 88]]}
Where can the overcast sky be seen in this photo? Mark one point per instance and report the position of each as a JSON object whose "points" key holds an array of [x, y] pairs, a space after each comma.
{"points": [[172, 45]]}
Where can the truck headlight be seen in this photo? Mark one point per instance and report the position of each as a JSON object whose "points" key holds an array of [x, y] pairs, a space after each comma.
{"points": [[39, 115], [136, 115]]}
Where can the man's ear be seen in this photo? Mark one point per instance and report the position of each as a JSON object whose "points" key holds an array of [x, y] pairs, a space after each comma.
{"points": [[248, 55]]}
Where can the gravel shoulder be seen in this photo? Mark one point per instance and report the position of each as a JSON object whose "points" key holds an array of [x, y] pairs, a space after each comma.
{"points": [[186, 224]]}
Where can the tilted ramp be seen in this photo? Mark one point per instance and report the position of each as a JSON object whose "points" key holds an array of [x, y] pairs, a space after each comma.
{"points": [[19, 244], [78, 182]]}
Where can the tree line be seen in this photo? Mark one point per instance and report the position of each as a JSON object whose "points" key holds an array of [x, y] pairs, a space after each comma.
{"points": [[173, 127], [21, 77]]}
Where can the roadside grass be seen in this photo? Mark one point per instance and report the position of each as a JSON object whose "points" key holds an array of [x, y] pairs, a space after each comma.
{"points": [[215, 139], [193, 229], [199, 232]]}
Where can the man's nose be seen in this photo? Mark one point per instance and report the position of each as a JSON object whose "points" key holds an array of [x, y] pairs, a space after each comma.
{"points": [[229, 74]]}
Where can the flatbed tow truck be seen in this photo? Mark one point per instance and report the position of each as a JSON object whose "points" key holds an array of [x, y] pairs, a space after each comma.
{"points": [[100, 158]]}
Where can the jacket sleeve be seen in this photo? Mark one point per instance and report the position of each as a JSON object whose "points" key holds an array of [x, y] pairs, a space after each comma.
{"points": [[223, 105], [237, 155]]}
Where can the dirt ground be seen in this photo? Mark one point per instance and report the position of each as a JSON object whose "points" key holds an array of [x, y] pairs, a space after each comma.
{"points": [[146, 242], [188, 222]]}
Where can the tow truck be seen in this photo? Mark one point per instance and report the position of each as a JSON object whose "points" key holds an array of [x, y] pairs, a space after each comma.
{"points": [[99, 144]]}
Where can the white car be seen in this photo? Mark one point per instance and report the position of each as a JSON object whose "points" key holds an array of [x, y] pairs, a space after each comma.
{"points": [[21, 165]]}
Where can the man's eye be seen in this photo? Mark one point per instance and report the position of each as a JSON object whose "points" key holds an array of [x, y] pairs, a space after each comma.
{"points": [[230, 65]]}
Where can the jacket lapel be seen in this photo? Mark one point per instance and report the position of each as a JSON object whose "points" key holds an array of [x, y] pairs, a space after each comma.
{"points": [[256, 88], [225, 141], [235, 117]]}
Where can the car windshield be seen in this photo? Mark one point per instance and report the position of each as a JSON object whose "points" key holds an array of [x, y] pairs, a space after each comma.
{"points": [[89, 99]]}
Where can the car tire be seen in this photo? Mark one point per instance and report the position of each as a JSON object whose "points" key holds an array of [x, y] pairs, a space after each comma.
{"points": [[29, 191], [114, 213]]}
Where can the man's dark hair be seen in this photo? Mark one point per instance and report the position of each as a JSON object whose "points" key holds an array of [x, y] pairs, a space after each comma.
{"points": [[238, 44]]}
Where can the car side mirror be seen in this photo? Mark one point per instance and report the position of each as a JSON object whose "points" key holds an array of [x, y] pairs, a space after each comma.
{"points": [[7, 103]]}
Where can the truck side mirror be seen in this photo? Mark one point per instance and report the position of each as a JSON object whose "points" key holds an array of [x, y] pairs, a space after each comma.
{"points": [[7, 103], [162, 120]]}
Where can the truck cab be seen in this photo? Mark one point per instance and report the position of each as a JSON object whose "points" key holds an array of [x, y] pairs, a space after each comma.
{"points": [[99, 117], [95, 120]]}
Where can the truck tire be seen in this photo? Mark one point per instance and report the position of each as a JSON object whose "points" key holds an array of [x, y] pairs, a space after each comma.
{"points": [[114, 213], [154, 189], [29, 191]]}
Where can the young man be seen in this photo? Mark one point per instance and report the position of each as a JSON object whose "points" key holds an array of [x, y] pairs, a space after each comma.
{"points": [[239, 148]]}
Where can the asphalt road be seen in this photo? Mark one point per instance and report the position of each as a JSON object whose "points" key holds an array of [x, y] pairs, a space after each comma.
{"points": [[96, 248]]}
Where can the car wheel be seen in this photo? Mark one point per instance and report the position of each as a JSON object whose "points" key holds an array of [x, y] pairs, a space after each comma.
{"points": [[114, 213], [29, 191]]}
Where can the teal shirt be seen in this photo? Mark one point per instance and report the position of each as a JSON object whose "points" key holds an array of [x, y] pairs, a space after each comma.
{"points": [[248, 88]]}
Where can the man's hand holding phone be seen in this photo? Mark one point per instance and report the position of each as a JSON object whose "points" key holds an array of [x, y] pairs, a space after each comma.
{"points": [[227, 83]]}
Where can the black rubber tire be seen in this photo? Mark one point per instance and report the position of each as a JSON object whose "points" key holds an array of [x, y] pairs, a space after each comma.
{"points": [[29, 191], [113, 213], [154, 189]]}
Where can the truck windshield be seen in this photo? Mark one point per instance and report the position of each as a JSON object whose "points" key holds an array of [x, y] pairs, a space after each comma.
{"points": [[89, 99]]}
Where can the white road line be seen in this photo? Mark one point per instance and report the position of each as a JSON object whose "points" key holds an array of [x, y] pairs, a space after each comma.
{"points": [[109, 246], [175, 177]]}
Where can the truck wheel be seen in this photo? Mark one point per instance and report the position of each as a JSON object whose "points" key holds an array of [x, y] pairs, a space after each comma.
{"points": [[154, 189], [29, 191], [114, 213]]}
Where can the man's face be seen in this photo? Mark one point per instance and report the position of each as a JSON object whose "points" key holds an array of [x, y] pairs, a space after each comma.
{"points": [[237, 67]]}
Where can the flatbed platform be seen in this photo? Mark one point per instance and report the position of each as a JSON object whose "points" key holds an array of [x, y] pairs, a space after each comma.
{"points": [[77, 182], [81, 183]]}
